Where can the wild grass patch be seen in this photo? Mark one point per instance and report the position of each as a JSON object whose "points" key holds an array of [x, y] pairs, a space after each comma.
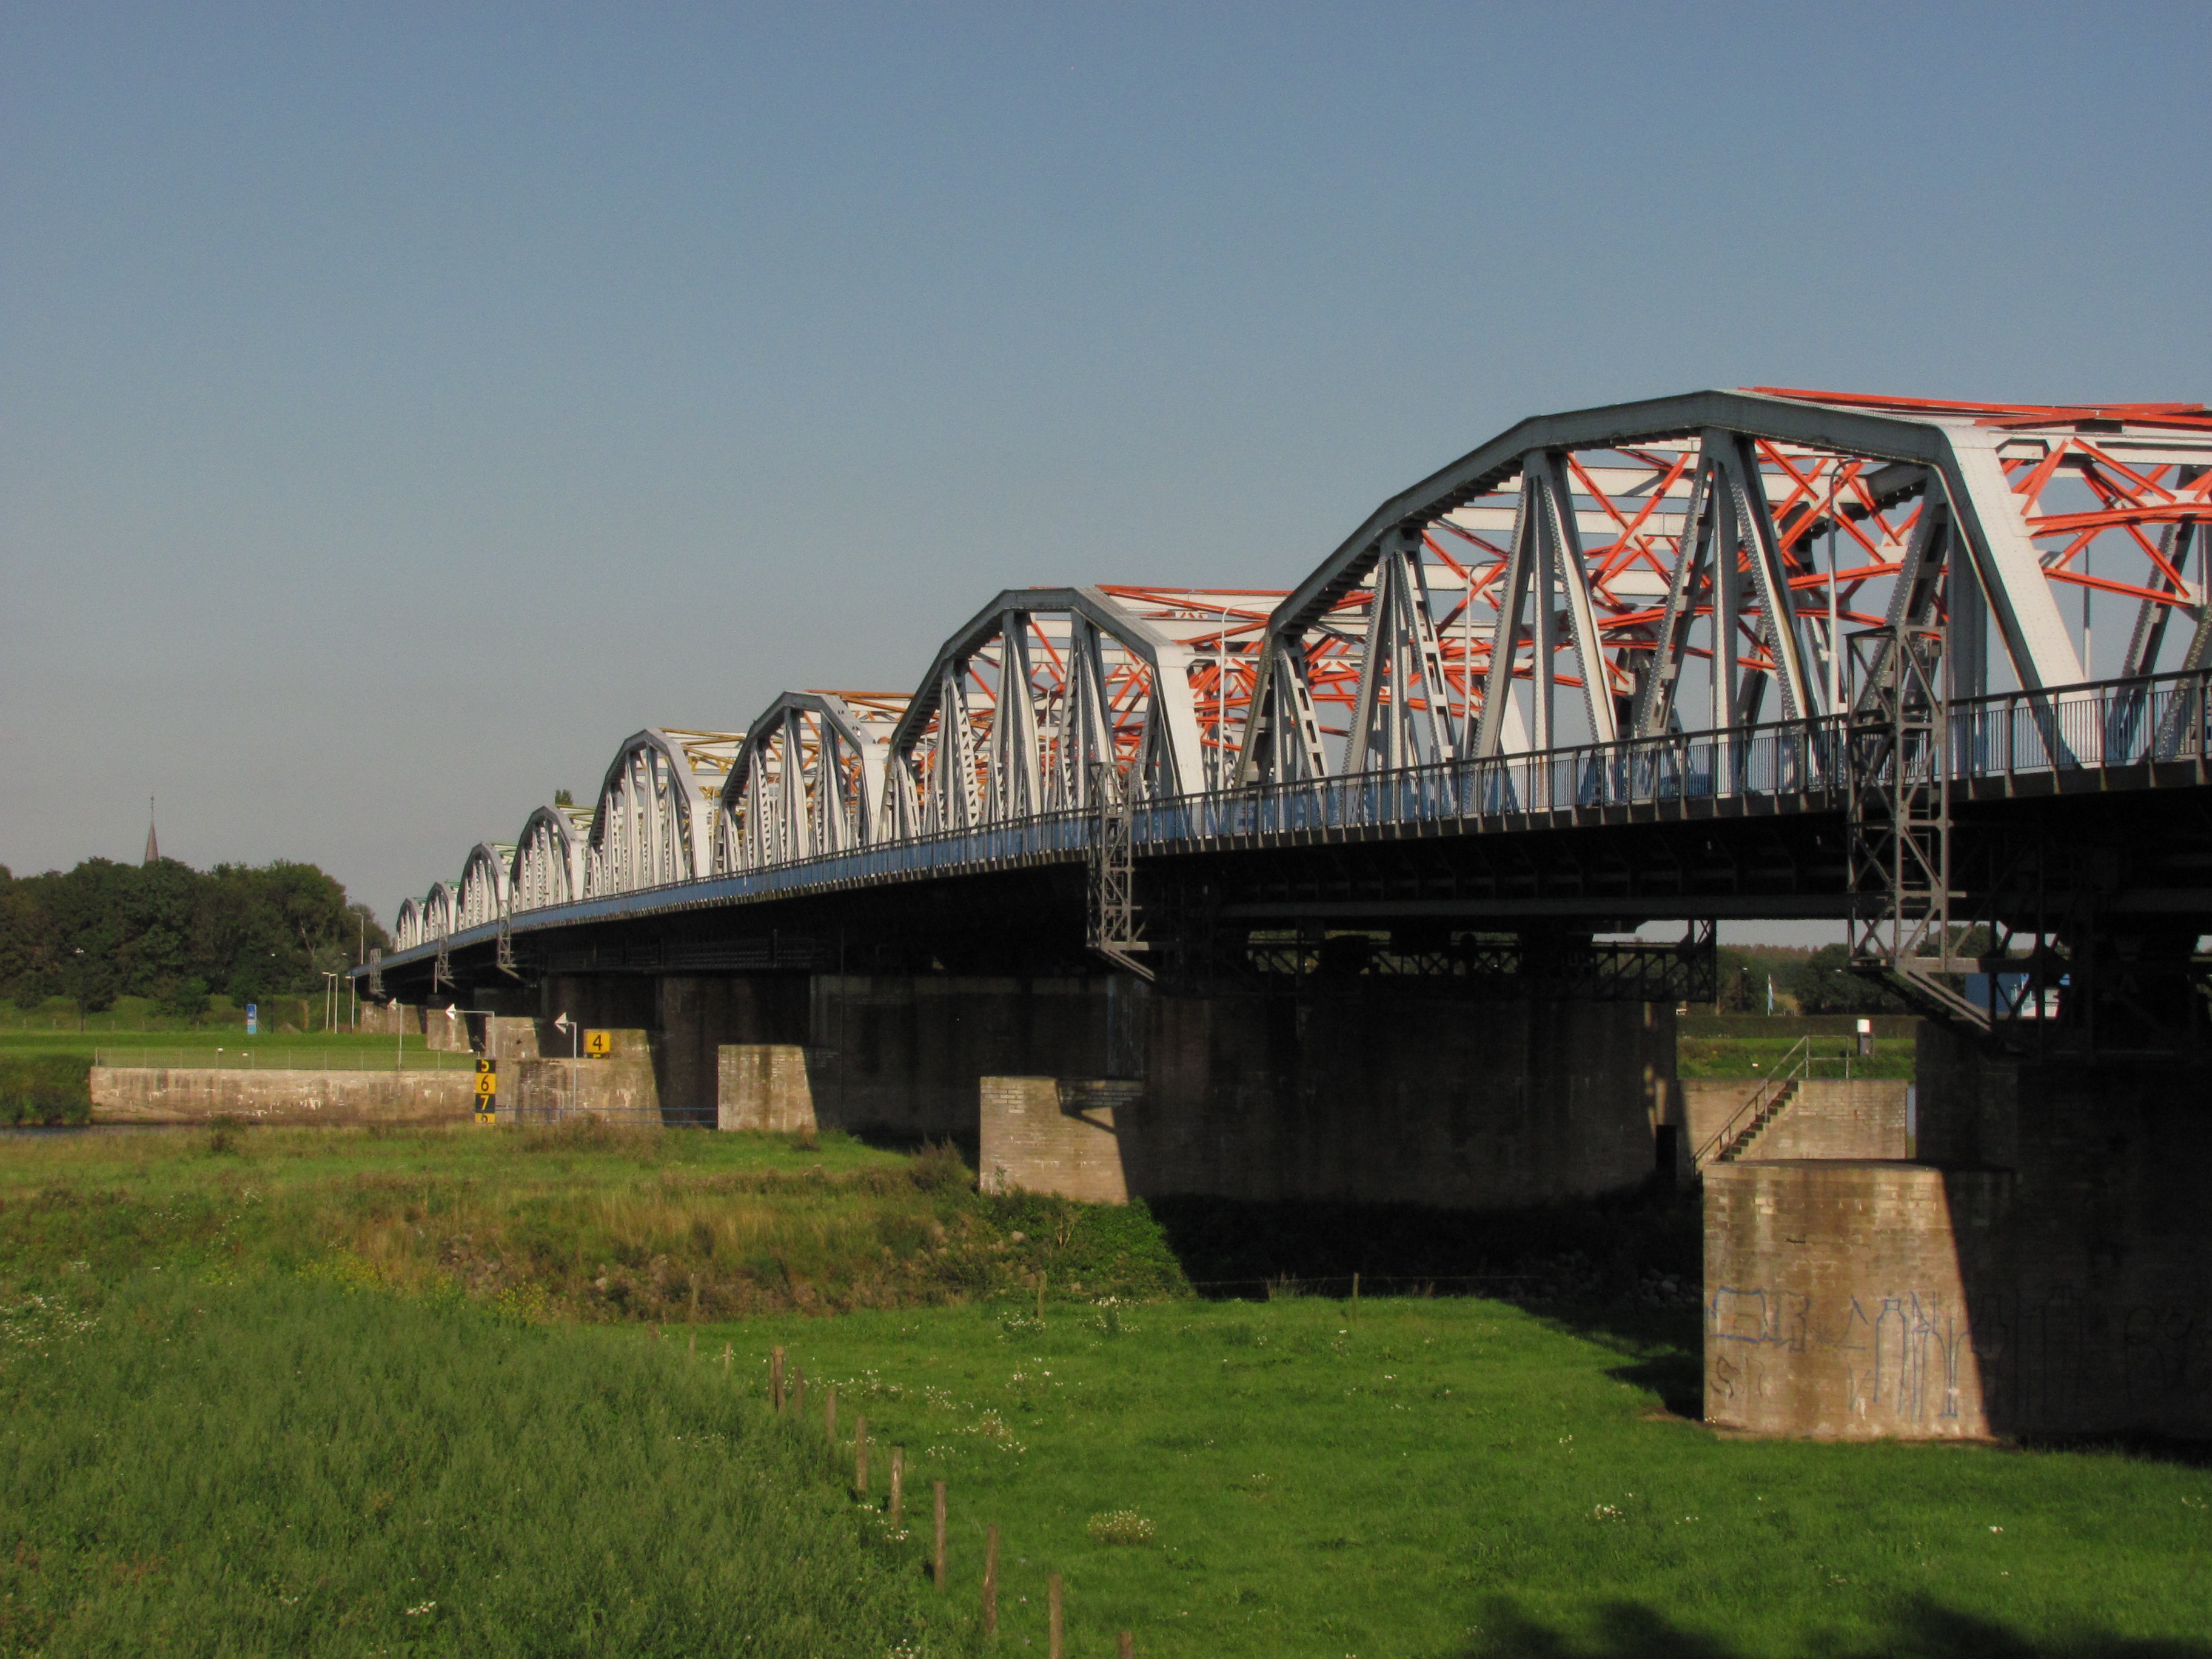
{"points": [[288, 1465]]}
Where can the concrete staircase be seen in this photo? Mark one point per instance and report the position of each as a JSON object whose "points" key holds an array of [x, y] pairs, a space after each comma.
{"points": [[1769, 1102], [1740, 1141]]}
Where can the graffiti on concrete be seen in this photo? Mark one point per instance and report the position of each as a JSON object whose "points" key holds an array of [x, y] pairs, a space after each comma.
{"points": [[1897, 1357]]}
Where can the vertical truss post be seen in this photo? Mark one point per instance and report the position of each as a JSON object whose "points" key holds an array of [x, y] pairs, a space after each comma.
{"points": [[1898, 777], [1112, 929], [506, 946], [441, 970]]}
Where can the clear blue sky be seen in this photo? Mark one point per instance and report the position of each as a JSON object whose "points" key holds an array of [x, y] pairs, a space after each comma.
{"points": [[401, 404]]}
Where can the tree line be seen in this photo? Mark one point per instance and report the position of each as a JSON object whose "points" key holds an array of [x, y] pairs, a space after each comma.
{"points": [[1818, 983], [177, 935]]}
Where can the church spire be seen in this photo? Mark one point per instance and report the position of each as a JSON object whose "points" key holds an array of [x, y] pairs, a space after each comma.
{"points": [[153, 842]]}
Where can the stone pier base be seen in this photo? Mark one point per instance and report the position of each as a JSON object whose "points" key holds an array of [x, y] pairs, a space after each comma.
{"points": [[1042, 1134], [763, 1085], [1835, 1307]]}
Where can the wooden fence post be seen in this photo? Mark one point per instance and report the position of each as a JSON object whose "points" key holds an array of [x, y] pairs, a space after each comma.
{"points": [[938, 1553], [776, 1379], [899, 1485], [1052, 1644], [990, 1581], [860, 1454], [1125, 1646]]}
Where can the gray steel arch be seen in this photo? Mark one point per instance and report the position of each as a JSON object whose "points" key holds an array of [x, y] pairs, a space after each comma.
{"points": [[654, 824], [548, 867], [484, 893], [808, 779], [1723, 504], [964, 753]]}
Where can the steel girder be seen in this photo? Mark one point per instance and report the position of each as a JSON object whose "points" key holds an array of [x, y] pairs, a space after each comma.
{"points": [[808, 779], [654, 824], [440, 911], [1686, 564], [548, 858], [1043, 686], [484, 894], [1600, 555]]}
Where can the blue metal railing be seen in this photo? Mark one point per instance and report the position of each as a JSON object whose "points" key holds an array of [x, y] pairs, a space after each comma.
{"points": [[2118, 723]]}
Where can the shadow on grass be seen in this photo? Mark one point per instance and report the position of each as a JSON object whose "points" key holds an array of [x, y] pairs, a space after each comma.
{"points": [[1924, 1630], [1623, 1270]]}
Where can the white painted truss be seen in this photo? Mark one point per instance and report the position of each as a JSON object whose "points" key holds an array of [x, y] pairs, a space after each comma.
{"points": [[1699, 563], [808, 779], [1042, 688], [483, 890], [440, 911], [655, 822], [548, 858]]}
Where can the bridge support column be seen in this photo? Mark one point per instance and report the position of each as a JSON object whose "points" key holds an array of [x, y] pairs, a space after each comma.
{"points": [[903, 1057], [697, 1019], [1045, 1134], [1365, 1088], [2048, 1257], [1362, 1089]]}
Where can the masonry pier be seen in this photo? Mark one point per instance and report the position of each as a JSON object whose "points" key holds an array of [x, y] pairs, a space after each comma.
{"points": [[2041, 1265], [1358, 1088]]}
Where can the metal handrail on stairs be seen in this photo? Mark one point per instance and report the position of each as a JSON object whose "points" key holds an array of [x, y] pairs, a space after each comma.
{"points": [[1765, 1105]]}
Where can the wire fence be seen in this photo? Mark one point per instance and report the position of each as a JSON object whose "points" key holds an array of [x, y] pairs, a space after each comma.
{"points": [[283, 1060]]}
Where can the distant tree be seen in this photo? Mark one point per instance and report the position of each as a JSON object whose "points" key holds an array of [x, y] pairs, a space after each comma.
{"points": [[105, 930], [186, 998], [1823, 983], [562, 797], [1737, 975]]}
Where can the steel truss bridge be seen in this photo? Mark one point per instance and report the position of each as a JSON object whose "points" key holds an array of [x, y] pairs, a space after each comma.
{"points": [[1752, 653]]}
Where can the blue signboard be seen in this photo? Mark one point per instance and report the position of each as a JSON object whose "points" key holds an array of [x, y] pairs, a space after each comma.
{"points": [[253, 1019]]}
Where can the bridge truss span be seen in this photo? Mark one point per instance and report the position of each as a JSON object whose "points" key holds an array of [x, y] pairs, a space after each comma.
{"points": [[1702, 606]]}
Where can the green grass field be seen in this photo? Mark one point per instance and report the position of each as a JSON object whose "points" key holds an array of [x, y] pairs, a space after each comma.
{"points": [[220, 1390], [1754, 1056], [277, 1466], [129, 1016], [1463, 1477]]}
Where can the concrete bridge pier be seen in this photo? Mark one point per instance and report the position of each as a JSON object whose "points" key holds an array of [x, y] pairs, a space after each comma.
{"points": [[1357, 1089], [903, 1057], [2042, 1265]]}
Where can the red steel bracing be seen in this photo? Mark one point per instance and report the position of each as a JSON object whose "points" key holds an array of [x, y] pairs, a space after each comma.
{"points": [[2189, 417], [2076, 500]]}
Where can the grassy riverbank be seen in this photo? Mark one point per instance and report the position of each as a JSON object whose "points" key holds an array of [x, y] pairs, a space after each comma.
{"points": [[277, 1466], [1460, 1477], [583, 1222], [373, 1371]]}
